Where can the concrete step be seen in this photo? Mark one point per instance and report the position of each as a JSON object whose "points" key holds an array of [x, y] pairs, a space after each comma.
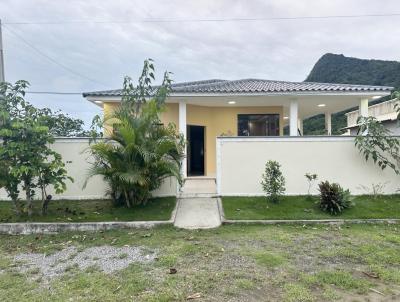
{"points": [[201, 185], [197, 195]]}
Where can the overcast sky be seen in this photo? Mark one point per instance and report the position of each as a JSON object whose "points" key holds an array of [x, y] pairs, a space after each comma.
{"points": [[105, 52]]}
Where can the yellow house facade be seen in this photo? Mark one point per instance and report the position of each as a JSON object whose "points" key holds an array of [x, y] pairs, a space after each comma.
{"points": [[206, 110], [216, 121]]}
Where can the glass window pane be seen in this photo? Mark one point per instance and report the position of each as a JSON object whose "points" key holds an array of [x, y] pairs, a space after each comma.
{"points": [[258, 124], [243, 125]]}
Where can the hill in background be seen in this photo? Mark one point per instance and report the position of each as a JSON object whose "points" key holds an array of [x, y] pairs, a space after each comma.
{"points": [[333, 68]]}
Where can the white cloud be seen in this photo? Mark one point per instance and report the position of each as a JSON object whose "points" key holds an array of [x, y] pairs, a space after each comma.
{"points": [[283, 50]]}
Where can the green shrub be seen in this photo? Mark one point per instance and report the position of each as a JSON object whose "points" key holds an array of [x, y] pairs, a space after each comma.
{"points": [[333, 198], [140, 152], [273, 182]]}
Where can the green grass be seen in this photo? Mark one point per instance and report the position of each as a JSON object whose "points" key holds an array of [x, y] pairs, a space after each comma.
{"points": [[231, 263], [341, 279], [269, 259], [297, 293], [93, 210], [301, 207]]}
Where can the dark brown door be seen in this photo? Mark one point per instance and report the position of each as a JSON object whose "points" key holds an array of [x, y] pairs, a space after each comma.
{"points": [[195, 150]]}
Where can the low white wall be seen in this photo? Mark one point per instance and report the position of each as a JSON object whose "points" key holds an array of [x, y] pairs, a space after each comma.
{"points": [[241, 163], [77, 162]]}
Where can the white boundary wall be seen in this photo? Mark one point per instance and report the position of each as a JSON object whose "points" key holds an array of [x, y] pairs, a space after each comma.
{"points": [[241, 162], [77, 162]]}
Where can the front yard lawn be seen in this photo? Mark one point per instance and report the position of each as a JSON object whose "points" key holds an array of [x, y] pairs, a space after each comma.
{"points": [[93, 210], [301, 207], [231, 263]]}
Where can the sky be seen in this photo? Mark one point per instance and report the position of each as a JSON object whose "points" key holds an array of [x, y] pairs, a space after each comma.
{"points": [[97, 42]]}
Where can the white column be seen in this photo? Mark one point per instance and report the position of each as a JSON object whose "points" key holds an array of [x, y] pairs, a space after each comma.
{"points": [[182, 130], [294, 114], [328, 123], [363, 109]]}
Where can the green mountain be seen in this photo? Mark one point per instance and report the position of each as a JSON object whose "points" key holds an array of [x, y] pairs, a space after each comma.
{"points": [[333, 68]]}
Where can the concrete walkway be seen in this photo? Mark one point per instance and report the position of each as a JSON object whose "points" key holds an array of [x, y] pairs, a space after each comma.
{"points": [[197, 213]]}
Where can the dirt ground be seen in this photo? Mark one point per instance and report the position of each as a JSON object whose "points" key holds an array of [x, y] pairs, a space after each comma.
{"points": [[231, 263]]}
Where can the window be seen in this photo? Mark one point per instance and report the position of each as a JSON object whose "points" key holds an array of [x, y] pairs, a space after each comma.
{"points": [[258, 124]]}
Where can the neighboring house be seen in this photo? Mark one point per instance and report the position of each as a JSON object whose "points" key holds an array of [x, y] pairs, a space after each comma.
{"points": [[205, 110], [384, 112]]}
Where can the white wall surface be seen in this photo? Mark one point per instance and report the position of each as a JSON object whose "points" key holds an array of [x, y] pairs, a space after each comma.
{"points": [[241, 162], [77, 162]]}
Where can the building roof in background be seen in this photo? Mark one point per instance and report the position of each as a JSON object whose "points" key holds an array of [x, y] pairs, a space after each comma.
{"points": [[244, 86]]}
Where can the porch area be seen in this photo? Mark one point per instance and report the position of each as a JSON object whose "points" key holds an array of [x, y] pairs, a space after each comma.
{"points": [[201, 120]]}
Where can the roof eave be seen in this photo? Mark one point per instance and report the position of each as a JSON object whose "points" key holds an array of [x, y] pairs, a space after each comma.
{"points": [[96, 97]]}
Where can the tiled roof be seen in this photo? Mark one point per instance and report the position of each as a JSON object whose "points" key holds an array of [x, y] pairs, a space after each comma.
{"points": [[254, 86]]}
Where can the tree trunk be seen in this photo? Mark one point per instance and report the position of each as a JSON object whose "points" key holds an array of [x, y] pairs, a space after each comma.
{"points": [[17, 208], [128, 203], [45, 201], [29, 205], [45, 205]]}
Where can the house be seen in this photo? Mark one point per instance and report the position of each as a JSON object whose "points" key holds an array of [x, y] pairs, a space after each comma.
{"points": [[206, 110], [384, 112]]}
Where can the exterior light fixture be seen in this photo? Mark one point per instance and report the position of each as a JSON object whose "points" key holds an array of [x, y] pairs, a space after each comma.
{"points": [[321, 105], [376, 97], [98, 102], [231, 102], [285, 117]]}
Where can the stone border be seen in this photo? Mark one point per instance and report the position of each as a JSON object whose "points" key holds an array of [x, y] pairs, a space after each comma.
{"points": [[52, 228], [26, 228], [315, 221]]}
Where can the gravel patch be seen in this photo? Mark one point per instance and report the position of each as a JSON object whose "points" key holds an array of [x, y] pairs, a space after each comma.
{"points": [[107, 259]]}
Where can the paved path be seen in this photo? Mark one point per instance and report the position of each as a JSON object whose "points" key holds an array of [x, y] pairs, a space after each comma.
{"points": [[197, 213]]}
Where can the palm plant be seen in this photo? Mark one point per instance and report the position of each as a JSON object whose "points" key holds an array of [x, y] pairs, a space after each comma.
{"points": [[140, 152]]}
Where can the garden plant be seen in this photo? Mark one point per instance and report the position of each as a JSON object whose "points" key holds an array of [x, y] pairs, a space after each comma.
{"points": [[27, 162], [273, 182], [139, 151]]}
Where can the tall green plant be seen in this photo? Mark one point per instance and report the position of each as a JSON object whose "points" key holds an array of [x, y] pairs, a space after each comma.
{"points": [[25, 156], [376, 142], [140, 151], [273, 182]]}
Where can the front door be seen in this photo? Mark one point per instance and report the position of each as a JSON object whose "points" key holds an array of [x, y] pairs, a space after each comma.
{"points": [[195, 150]]}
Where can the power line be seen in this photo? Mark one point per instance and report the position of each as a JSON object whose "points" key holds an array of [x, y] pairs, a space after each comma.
{"points": [[174, 20], [54, 93], [50, 58]]}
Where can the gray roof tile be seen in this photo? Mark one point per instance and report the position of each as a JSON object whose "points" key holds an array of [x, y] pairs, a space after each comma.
{"points": [[254, 86]]}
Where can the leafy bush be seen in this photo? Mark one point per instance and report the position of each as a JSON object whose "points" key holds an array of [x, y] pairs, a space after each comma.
{"points": [[140, 151], [26, 160], [333, 198], [273, 182], [376, 142]]}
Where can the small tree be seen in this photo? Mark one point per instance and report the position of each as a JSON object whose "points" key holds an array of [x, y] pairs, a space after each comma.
{"points": [[52, 172], [273, 182], [25, 155], [311, 178], [376, 142]]}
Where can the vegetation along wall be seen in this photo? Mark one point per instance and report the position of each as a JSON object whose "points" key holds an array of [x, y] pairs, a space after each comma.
{"points": [[241, 162], [77, 162]]}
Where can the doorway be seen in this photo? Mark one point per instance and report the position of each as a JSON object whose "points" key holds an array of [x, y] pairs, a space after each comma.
{"points": [[195, 150]]}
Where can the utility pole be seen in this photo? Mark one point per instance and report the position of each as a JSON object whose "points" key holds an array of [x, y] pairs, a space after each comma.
{"points": [[2, 78]]}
